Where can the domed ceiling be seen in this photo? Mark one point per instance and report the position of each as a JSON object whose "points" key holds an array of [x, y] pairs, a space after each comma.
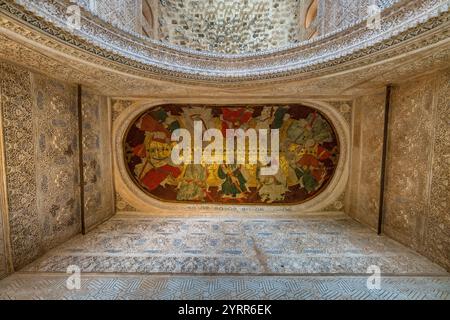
{"points": [[126, 58]]}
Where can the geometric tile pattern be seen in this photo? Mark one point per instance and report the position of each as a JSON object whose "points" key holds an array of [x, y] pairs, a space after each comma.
{"points": [[154, 287], [308, 245]]}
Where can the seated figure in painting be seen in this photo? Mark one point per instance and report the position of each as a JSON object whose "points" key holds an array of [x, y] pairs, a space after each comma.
{"points": [[193, 185]]}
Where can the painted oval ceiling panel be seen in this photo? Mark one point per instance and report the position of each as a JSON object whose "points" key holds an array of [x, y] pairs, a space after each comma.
{"points": [[301, 167]]}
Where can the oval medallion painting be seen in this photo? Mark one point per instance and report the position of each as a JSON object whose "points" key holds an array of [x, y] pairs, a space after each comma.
{"points": [[305, 160]]}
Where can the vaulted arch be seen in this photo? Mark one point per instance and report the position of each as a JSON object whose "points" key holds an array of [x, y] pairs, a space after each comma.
{"points": [[311, 14]]}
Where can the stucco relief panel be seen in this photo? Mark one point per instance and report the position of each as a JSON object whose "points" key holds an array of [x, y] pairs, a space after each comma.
{"points": [[121, 13], [41, 167], [437, 240], [336, 14], [56, 131]]}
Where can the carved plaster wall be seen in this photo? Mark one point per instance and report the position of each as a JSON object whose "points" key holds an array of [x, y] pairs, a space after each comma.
{"points": [[40, 138], [98, 182], [5, 256], [418, 175], [417, 197]]}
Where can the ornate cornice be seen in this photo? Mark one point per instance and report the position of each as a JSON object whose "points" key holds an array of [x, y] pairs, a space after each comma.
{"points": [[406, 26]]}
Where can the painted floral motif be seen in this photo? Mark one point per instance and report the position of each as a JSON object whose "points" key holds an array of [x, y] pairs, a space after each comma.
{"points": [[309, 151]]}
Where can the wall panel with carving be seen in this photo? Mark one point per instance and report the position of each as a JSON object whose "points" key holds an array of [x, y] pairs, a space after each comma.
{"points": [[125, 14], [17, 110], [98, 182], [119, 106], [56, 133], [3, 249], [362, 202], [40, 134], [336, 14], [417, 192]]}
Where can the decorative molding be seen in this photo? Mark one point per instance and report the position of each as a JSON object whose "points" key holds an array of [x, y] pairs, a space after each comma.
{"points": [[345, 49], [136, 198]]}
